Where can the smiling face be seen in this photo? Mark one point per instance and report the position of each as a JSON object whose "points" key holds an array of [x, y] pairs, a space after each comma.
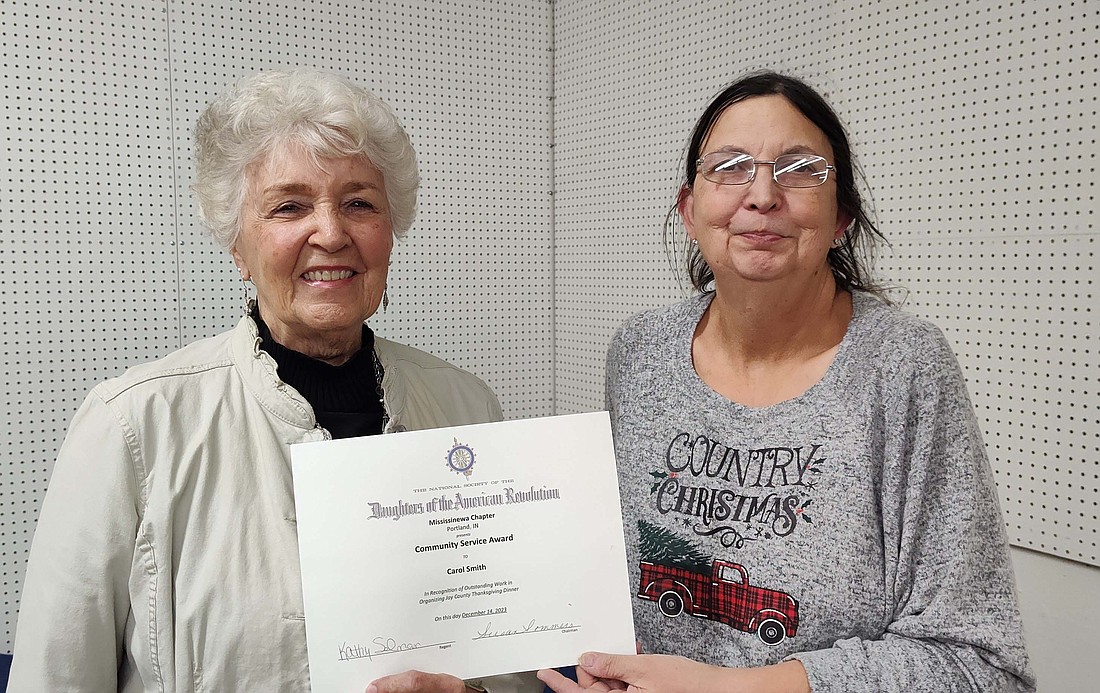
{"points": [[760, 231], [315, 239]]}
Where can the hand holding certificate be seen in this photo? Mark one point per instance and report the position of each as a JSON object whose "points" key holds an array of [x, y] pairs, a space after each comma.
{"points": [[445, 550]]}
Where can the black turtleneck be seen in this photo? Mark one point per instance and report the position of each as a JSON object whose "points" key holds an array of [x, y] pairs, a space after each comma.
{"points": [[346, 399]]}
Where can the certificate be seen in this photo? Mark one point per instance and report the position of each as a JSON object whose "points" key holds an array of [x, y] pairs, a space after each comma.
{"points": [[473, 550]]}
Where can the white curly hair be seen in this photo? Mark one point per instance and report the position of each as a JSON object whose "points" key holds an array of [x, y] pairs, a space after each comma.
{"points": [[328, 115]]}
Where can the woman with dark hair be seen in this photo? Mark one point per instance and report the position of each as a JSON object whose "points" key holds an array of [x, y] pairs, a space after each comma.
{"points": [[806, 496], [848, 249]]}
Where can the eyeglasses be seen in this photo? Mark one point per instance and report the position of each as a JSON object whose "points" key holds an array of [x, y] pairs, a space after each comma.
{"points": [[788, 170]]}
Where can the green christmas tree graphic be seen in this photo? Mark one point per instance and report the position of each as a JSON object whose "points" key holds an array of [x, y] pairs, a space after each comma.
{"points": [[661, 546]]}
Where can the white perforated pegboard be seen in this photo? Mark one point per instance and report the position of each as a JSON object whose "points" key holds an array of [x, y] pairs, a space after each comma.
{"points": [[979, 140], [86, 227], [104, 263], [976, 125]]}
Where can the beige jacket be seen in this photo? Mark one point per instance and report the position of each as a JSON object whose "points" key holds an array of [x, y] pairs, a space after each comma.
{"points": [[165, 556]]}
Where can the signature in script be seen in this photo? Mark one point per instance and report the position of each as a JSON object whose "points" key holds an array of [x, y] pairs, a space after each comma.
{"points": [[380, 646], [531, 626]]}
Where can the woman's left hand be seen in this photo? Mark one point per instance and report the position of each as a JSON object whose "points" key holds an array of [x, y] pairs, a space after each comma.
{"points": [[667, 674], [417, 682]]}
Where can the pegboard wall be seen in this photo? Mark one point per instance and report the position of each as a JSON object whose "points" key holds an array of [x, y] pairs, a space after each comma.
{"points": [[976, 125], [105, 265]]}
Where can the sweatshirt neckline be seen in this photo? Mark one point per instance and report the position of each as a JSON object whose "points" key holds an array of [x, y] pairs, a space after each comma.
{"points": [[689, 325]]}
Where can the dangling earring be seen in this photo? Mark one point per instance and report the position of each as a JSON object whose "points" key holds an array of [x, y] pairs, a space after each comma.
{"points": [[247, 300], [838, 241], [385, 299]]}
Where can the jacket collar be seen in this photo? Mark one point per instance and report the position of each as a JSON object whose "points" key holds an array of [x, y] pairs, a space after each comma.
{"points": [[260, 374], [393, 385]]}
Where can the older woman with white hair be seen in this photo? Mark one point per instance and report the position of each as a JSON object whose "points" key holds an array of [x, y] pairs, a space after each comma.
{"points": [[165, 556]]}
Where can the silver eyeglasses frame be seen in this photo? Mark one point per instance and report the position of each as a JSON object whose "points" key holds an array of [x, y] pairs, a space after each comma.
{"points": [[741, 157]]}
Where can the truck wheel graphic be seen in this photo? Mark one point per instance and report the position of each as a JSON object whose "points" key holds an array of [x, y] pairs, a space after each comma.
{"points": [[671, 603], [771, 631]]}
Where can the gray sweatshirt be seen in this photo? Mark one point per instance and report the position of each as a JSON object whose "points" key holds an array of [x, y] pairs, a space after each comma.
{"points": [[854, 528]]}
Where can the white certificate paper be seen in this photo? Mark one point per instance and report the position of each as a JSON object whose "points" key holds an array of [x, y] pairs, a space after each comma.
{"points": [[472, 551]]}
